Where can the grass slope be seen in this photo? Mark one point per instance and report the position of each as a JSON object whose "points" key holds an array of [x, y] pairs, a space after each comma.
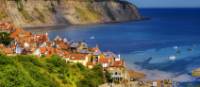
{"points": [[28, 71]]}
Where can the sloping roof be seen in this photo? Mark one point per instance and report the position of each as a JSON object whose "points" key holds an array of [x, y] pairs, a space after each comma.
{"points": [[103, 60], [109, 54], [77, 56], [8, 50], [74, 44], [43, 50], [118, 63], [15, 33]]}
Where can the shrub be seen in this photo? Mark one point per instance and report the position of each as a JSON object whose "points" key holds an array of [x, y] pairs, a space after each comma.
{"points": [[5, 60], [3, 15], [4, 38]]}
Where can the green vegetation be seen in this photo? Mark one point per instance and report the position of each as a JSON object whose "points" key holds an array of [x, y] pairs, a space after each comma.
{"points": [[41, 16], [3, 15], [19, 5], [28, 71], [5, 39], [86, 13], [26, 15]]}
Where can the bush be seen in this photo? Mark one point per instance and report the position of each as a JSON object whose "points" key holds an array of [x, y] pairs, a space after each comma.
{"points": [[26, 15], [56, 61], [19, 5], [5, 60], [3, 15], [5, 39], [41, 16]]}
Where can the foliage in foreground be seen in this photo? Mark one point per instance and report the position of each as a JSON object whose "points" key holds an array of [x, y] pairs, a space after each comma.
{"points": [[28, 71], [4, 38]]}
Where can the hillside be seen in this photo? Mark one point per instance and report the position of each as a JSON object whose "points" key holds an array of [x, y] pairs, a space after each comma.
{"points": [[29, 71], [52, 12]]}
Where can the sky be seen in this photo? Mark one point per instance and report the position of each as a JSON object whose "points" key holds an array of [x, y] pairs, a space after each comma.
{"points": [[167, 3]]}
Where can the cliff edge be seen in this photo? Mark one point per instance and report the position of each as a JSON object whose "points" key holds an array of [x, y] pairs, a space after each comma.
{"points": [[30, 13]]}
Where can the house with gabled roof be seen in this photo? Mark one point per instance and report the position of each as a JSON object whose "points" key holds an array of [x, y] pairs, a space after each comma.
{"points": [[77, 58]]}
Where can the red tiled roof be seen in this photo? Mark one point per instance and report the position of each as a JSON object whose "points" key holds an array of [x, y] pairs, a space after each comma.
{"points": [[40, 38], [118, 63], [66, 53], [103, 60], [43, 50], [8, 50], [77, 56], [6, 25]]}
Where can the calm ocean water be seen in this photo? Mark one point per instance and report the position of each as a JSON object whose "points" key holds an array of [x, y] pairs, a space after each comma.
{"points": [[147, 45]]}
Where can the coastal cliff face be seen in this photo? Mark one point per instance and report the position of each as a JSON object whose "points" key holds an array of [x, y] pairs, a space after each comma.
{"points": [[28, 13]]}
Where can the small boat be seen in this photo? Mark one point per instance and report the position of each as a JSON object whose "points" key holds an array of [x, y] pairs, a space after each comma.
{"points": [[92, 37], [175, 47], [172, 58]]}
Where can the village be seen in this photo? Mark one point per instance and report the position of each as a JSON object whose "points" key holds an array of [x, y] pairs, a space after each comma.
{"points": [[39, 45]]}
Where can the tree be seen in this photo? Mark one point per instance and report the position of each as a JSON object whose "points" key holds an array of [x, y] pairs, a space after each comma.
{"points": [[5, 39]]}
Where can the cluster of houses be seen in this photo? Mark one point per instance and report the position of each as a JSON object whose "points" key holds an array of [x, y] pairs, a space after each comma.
{"points": [[75, 52]]}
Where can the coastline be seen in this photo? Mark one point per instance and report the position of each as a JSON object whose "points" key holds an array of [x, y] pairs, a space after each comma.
{"points": [[39, 45], [172, 46], [43, 26], [89, 24], [125, 76]]}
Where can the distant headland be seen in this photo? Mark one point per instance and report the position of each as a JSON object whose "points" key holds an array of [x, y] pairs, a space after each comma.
{"points": [[30, 13]]}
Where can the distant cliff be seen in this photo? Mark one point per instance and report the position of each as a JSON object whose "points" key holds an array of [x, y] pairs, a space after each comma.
{"points": [[53, 12]]}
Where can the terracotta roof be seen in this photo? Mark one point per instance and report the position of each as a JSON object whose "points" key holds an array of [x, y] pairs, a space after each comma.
{"points": [[103, 60], [66, 53], [118, 63], [6, 25], [8, 50], [43, 50], [40, 38], [77, 56]]}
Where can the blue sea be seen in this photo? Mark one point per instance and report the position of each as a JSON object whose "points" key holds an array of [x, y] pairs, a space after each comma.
{"points": [[166, 46]]}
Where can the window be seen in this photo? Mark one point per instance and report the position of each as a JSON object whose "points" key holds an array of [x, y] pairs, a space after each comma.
{"points": [[115, 73]]}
